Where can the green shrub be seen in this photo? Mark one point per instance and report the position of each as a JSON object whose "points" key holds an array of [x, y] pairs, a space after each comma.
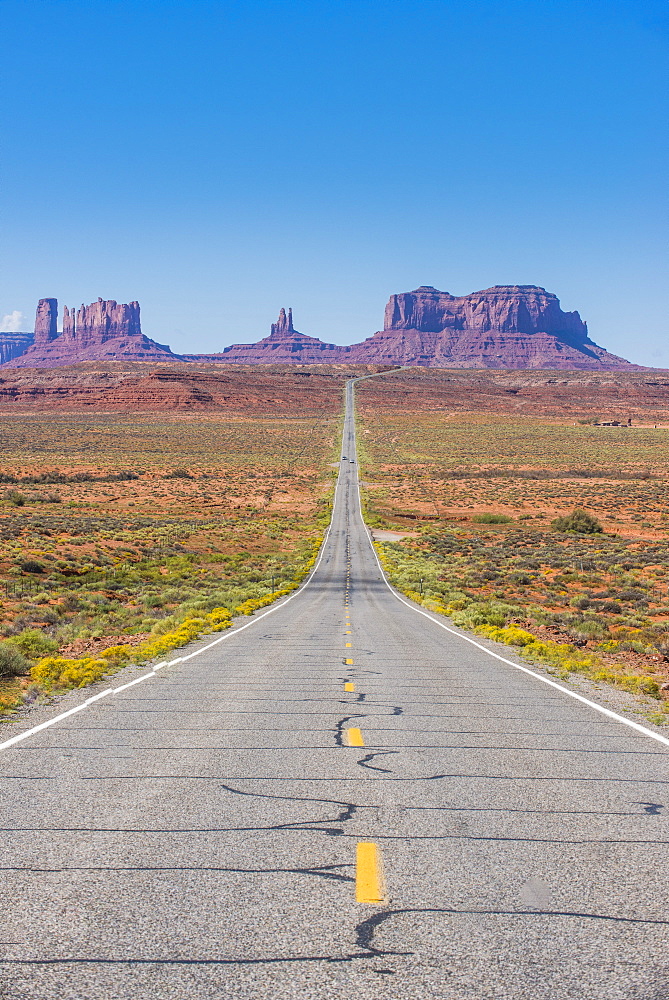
{"points": [[579, 522], [155, 601], [484, 613], [164, 625], [31, 566], [491, 519], [590, 629], [178, 474], [33, 643], [12, 661]]}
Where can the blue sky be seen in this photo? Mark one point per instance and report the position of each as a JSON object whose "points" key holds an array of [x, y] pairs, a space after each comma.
{"points": [[219, 160]]}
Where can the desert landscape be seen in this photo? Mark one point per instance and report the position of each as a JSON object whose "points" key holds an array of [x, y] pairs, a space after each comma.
{"points": [[154, 494]]}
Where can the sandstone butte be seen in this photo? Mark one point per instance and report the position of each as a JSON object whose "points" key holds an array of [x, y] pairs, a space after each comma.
{"points": [[103, 331], [506, 326]]}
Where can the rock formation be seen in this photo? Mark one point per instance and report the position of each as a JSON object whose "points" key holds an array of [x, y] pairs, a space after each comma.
{"points": [[46, 321], [284, 344], [100, 322], [506, 326], [284, 325], [103, 331]]}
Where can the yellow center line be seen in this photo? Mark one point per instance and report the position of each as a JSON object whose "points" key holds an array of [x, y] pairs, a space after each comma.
{"points": [[368, 875], [349, 686], [349, 663], [354, 737], [349, 643]]}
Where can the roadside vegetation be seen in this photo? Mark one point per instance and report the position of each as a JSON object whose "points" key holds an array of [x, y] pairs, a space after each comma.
{"points": [[552, 539], [123, 538]]}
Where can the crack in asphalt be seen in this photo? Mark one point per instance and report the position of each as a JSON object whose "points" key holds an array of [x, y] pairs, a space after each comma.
{"points": [[371, 756], [341, 724], [366, 930], [322, 871], [347, 812]]}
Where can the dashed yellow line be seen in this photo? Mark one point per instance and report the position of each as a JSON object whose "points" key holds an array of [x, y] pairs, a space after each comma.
{"points": [[354, 737], [348, 662], [349, 686], [349, 643], [368, 875]]}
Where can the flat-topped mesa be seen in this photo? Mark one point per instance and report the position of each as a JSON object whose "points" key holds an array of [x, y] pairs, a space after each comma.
{"points": [[506, 326], [101, 321], [507, 308], [283, 326], [46, 321]]}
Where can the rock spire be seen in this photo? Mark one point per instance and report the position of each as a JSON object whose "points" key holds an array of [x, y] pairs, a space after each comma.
{"points": [[284, 325], [46, 321]]}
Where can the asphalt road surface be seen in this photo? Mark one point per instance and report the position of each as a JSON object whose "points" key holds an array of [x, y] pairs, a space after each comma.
{"points": [[198, 834]]}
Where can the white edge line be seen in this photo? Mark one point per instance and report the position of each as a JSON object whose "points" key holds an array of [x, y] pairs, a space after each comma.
{"points": [[526, 670], [137, 680], [181, 659]]}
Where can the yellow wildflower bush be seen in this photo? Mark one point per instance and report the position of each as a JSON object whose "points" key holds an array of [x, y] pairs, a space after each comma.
{"points": [[57, 671], [248, 607], [511, 635], [9, 702], [565, 658]]}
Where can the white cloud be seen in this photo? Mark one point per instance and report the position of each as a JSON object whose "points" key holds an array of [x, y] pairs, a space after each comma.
{"points": [[12, 322]]}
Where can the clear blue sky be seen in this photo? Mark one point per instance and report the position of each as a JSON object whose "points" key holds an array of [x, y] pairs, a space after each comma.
{"points": [[219, 160]]}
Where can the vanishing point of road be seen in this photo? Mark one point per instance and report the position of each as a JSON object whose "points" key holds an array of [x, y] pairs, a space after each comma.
{"points": [[343, 798]]}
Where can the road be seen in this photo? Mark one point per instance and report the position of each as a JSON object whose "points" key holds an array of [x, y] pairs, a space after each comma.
{"points": [[196, 835]]}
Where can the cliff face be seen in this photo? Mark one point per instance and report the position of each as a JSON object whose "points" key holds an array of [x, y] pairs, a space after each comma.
{"points": [[103, 331], [99, 322], [504, 308], [14, 344], [507, 326]]}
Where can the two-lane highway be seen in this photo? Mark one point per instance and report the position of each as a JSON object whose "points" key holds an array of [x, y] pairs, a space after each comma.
{"points": [[341, 800]]}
